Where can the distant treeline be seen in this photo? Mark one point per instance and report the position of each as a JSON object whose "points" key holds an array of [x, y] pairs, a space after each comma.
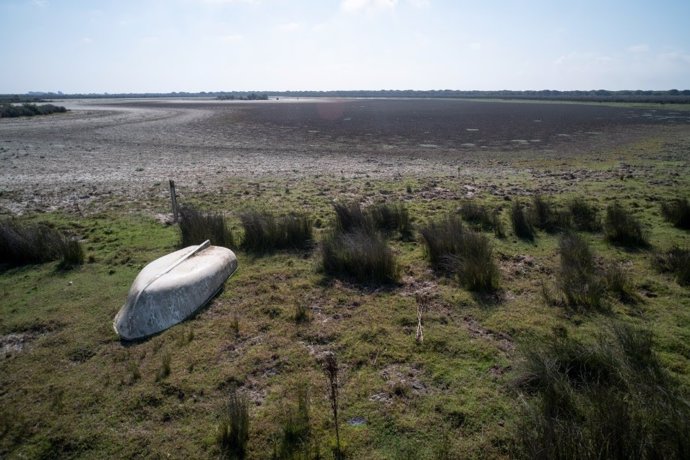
{"points": [[16, 98], [244, 97], [672, 96], [29, 110]]}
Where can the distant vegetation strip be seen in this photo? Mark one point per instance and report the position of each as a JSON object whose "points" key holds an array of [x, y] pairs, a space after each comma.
{"points": [[672, 96], [29, 110]]}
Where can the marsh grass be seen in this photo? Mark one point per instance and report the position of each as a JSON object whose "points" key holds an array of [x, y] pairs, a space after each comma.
{"points": [[545, 217], [468, 255], [622, 228], [677, 212], [443, 238], [361, 256], [675, 261], [197, 227], [522, 227], [578, 279], [584, 216], [618, 282], [390, 218], [265, 233], [607, 399], [25, 243], [386, 218], [232, 435]]}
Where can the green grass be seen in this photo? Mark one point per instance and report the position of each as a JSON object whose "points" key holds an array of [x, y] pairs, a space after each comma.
{"points": [[72, 389]]}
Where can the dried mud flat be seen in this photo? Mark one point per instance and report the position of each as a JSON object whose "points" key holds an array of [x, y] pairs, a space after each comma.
{"points": [[106, 151]]}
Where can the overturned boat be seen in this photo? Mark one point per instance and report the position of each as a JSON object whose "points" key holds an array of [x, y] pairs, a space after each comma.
{"points": [[172, 288]]}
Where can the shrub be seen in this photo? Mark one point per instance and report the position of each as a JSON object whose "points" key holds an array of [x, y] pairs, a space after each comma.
{"points": [[584, 217], [462, 252], [443, 239], [623, 228], [676, 261], [521, 224], [22, 244], [609, 399], [578, 279], [265, 233], [677, 212], [362, 256], [390, 218], [197, 227], [29, 110], [233, 429]]}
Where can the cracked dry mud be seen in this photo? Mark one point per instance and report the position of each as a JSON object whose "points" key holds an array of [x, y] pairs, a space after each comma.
{"points": [[105, 152]]}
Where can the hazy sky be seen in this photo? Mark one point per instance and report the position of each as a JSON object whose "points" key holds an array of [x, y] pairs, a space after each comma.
{"points": [[210, 45]]}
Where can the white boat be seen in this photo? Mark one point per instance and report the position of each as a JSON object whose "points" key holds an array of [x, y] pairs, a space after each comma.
{"points": [[172, 288]]}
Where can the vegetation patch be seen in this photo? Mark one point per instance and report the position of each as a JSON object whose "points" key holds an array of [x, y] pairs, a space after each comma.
{"points": [[675, 261], [26, 243], [578, 279], [359, 255], [522, 227], [265, 233], [607, 399], [197, 227], [584, 217], [622, 228], [677, 212], [29, 110]]}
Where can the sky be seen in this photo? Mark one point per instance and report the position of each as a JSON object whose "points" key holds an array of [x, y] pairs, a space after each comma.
{"points": [[117, 46]]}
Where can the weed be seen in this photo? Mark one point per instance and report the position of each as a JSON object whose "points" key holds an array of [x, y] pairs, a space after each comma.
{"points": [[497, 224], [677, 212], [522, 227], [578, 279], [623, 228], [233, 430], [584, 217], [197, 227], [611, 399], [235, 324], [265, 233], [22, 244], [676, 261], [330, 368], [364, 257]]}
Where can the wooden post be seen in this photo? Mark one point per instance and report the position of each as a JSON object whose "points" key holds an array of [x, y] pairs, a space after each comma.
{"points": [[173, 200]]}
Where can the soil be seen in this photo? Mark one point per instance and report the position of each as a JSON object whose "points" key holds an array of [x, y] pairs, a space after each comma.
{"points": [[104, 152]]}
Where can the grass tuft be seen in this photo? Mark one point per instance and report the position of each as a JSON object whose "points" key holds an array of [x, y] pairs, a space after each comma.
{"points": [[197, 227], [676, 261], [350, 218], [578, 279], [390, 218], [522, 227], [265, 233], [609, 399], [361, 256], [465, 253], [233, 430], [623, 228], [23, 244], [677, 212], [545, 217], [584, 217]]}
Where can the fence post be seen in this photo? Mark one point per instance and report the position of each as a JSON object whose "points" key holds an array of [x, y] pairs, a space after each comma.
{"points": [[173, 200]]}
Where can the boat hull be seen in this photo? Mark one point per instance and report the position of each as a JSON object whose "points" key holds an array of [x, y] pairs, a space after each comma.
{"points": [[172, 288]]}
